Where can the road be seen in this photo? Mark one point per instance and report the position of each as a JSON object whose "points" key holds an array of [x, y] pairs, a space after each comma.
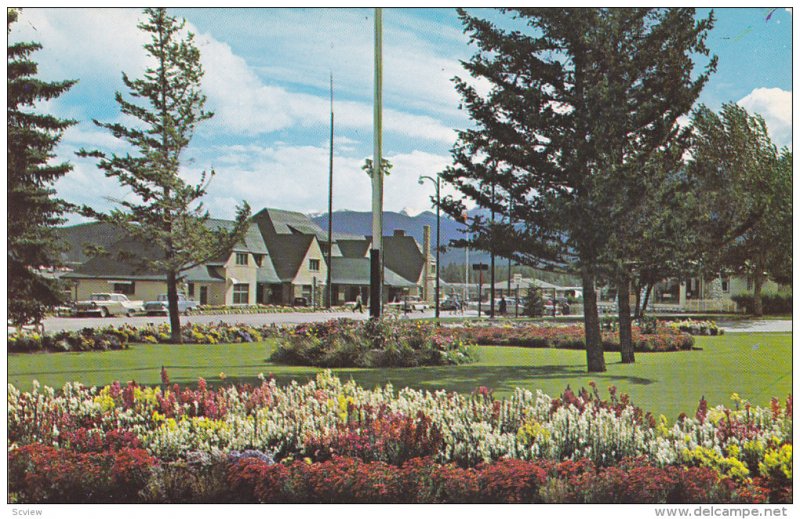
{"points": [[54, 324]]}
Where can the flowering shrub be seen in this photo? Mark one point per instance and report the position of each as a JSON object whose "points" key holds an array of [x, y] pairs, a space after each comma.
{"points": [[114, 338], [694, 327], [87, 339], [286, 443], [44, 474], [570, 337], [373, 343], [421, 480]]}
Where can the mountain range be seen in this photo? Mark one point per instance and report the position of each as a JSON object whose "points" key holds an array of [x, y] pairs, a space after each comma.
{"points": [[360, 223]]}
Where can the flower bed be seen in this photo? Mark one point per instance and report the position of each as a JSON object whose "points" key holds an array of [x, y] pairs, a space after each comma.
{"points": [[110, 337], [338, 442], [386, 342], [693, 327], [570, 337]]}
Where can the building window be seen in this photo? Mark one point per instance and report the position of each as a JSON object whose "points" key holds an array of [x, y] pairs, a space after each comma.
{"points": [[749, 282], [241, 294], [241, 258], [190, 289], [124, 288], [313, 265], [726, 285], [259, 259]]}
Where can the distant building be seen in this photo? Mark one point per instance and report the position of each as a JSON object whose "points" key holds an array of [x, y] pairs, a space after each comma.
{"points": [[281, 260]]}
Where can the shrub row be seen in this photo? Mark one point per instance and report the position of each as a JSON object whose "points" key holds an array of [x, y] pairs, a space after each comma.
{"points": [[110, 337], [44, 474], [373, 343], [570, 337], [87, 339], [771, 304]]}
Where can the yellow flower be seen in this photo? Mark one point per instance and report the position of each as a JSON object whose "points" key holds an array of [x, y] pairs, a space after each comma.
{"points": [[222, 375]]}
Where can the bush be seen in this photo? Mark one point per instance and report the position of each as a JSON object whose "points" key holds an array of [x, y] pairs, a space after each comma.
{"points": [[420, 480], [115, 338], [771, 304], [381, 343], [44, 474]]}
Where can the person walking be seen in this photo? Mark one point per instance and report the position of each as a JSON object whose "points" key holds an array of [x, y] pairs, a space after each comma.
{"points": [[503, 305], [359, 306]]}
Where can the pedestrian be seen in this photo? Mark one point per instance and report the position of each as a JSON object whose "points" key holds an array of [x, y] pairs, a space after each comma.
{"points": [[359, 306], [503, 305]]}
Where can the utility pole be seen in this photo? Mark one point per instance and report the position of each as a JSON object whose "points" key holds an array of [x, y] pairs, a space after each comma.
{"points": [[329, 301], [376, 259]]}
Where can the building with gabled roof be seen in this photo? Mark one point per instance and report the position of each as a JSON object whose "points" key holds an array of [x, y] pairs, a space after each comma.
{"points": [[280, 260]]}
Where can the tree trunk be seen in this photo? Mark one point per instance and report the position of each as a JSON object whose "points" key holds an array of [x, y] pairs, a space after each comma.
{"points": [[625, 334], [637, 311], [174, 314], [646, 299], [758, 282], [594, 344]]}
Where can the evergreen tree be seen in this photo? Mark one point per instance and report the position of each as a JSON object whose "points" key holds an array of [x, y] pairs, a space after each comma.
{"points": [[167, 212], [33, 210], [579, 101]]}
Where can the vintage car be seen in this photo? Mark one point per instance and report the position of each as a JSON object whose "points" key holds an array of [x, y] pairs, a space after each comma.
{"points": [[105, 305], [160, 306], [409, 304]]}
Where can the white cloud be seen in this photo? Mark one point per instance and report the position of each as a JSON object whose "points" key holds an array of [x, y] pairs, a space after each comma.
{"points": [[775, 106]]}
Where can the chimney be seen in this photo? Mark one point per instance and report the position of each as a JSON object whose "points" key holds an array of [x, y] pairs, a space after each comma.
{"points": [[399, 232]]}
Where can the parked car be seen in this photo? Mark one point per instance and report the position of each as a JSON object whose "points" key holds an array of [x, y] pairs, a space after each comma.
{"points": [[300, 301], [161, 305], [108, 304]]}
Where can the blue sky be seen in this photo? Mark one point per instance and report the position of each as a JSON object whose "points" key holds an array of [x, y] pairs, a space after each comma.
{"points": [[267, 80]]}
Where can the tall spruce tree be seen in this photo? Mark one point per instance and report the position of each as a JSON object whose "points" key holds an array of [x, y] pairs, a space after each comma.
{"points": [[579, 100], [33, 210], [167, 213]]}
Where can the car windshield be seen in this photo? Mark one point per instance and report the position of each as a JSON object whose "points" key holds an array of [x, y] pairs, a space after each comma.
{"points": [[100, 297], [162, 297]]}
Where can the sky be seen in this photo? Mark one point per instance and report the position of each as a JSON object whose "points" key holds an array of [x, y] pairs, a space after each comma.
{"points": [[267, 79]]}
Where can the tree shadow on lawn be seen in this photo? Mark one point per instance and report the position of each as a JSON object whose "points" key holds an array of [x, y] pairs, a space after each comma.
{"points": [[462, 379]]}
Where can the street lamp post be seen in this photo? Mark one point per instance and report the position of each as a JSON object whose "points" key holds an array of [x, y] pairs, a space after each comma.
{"points": [[437, 183]]}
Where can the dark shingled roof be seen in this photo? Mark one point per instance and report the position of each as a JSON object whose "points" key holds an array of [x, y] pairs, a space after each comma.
{"points": [[109, 266], [278, 221], [203, 274], [288, 251], [354, 248], [253, 241], [403, 256], [355, 271], [77, 237]]}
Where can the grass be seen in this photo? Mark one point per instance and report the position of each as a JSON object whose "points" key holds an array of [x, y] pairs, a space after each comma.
{"points": [[756, 366]]}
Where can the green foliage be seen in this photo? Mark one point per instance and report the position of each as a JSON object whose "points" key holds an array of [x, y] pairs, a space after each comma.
{"points": [[374, 343], [534, 304], [772, 304], [33, 210], [579, 101], [734, 159], [167, 214]]}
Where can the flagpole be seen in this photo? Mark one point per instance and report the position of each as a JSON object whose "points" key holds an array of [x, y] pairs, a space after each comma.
{"points": [[376, 261], [330, 209]]}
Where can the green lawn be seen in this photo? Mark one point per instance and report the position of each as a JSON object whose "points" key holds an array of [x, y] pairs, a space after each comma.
{"points": [[757, 366]]}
